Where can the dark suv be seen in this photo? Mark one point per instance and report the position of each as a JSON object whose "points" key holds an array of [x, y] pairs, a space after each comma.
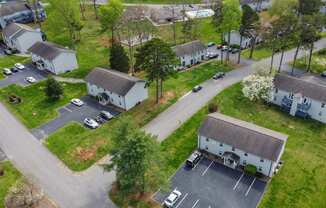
{"points": [[193, 159]]}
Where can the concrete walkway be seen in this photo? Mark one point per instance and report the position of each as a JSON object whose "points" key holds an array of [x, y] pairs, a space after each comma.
{"points": [[172, 118], [68, 80]]}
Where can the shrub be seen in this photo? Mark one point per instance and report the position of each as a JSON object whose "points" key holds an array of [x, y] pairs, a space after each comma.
{"points": [[250, 169], [53, 89], [212, 108], [14, 99]]}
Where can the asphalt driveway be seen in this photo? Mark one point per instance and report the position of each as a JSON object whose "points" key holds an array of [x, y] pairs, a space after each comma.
{"points": [[19, 77], [69, 113], [213, 185]]}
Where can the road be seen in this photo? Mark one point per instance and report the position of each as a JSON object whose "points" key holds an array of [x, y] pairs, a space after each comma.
{"points": [[172, 118], [68, 189]]}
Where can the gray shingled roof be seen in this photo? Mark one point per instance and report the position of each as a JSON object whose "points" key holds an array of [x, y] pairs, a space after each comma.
{"points": [[308, 87], [48, 50], [242, 135], [189, 48], [12, 7], [17, 29], [111, 80]]}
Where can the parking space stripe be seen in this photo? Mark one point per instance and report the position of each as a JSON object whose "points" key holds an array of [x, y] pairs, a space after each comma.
{"points": [[67, 109], [235, 186], [207, 169], [195, 203], [252, 183], [182, 200]]}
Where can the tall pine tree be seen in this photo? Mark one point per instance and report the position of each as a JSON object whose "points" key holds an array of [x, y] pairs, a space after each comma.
{"points": [[118, 58]]}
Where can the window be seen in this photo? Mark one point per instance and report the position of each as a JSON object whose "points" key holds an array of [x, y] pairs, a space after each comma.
{"points": [[220, 153], [260, 168], [221, 144], [320, 113], [305, 100], [291, 95], [206, 147], [246, 154], [323, 105], [207, 139], [276, 90], [233, 148], [261, 160], [244, 162]]}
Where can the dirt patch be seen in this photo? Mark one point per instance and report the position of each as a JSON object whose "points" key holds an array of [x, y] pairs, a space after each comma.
{"points": [[45, 203], [169, 95], [105, 41], [88, 153]]}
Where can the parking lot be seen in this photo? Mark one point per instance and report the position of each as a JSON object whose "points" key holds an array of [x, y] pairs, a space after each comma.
{"points": [[19, 77], [70, 112], [213, 185]]}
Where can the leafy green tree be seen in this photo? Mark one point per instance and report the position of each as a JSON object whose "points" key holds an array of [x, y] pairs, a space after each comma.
{"points": [[64, 16], [249, 20], [189, 30], [309, 7], [110, 15], [283, 7], [271, 37], [53, 89], [137, 160], [217, 20], [231, 20], [118, 58], [158, 60]]}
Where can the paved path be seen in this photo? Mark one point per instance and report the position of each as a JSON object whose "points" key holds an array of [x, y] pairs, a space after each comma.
{"points": [[172, 118], [68, 80], [70, 190]]}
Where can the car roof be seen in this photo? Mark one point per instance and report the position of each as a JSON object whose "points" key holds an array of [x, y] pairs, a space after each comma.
{"points": [[172, 196]]}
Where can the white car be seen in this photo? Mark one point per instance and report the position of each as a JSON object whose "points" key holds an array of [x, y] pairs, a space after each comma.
{"points": [[20, 66], [91, 123], [77, 102], [106, 115], [172, 198], [30, 80], [7, 71]]}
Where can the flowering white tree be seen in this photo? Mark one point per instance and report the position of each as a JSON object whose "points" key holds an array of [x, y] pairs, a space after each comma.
{"points": [[258, 87]]}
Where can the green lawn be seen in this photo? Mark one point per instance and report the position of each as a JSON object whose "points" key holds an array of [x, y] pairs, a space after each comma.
{"points": [[80, 152], [302, 180], [92, 50], [318, 62], [206, 32], [35, 108], [258, 54], [9, 61], [9, 179], [159, 1]]}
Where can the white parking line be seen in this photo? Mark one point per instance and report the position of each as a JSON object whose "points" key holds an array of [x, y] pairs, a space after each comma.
{"points": [[67, 109], [185, 95], [195, 203], [182, 200], [235, 186], [207, 169], [252, 183]]}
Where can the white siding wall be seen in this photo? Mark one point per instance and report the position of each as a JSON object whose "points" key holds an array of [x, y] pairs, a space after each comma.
{"points": [[213, 147], [137, 94], [196, 57], [316, 110], [115, 99], [26, 40], [65, 62]]}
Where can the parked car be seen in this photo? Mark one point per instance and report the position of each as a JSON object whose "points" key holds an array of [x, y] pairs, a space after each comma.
{"points": [[211, 55], [91, 123], [235, 50], [99, 119], [77, 102], [210, 44], [194, 159], [172, 199], [197, 88], [225, 48], [7, 51], [30, 80], [7, 71], [323, 74], [14, 70], [219, 75], [106, 115], [219, 46], [19, 66]]}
